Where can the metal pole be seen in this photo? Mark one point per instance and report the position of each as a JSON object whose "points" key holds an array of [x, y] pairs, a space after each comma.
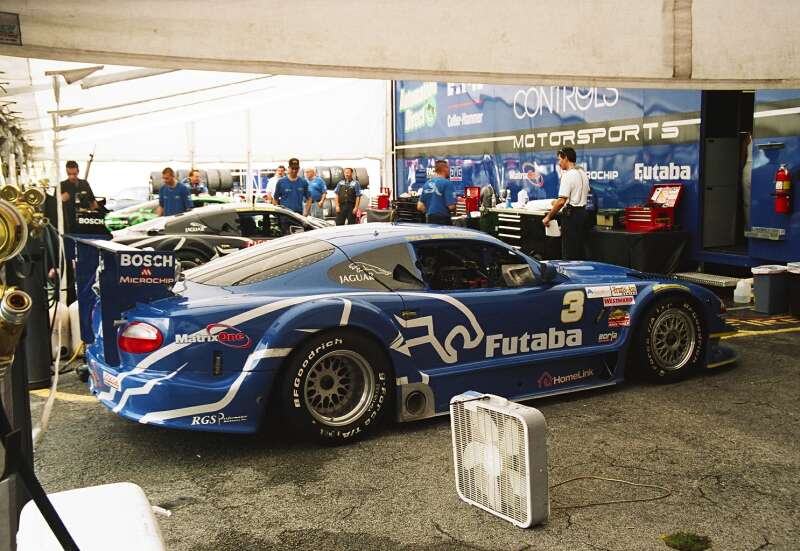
{"points": [[190, 139], [62, 290], [12, 169], [250, 183], [388, 159]]}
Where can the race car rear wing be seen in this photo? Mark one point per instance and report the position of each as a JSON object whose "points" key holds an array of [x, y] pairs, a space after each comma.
{"points": [[124, 276]]}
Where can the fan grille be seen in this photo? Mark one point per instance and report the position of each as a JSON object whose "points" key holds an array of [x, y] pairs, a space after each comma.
{"points": [[490, 459]]}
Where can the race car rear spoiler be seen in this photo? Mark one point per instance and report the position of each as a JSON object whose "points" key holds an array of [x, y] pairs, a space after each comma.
{"points": [[126, 276]]}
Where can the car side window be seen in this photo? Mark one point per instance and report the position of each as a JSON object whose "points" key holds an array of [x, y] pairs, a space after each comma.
{"points": [[255, 224], [462, 265], [224, 223]]}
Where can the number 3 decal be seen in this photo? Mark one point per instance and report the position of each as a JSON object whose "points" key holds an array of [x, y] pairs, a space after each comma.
{"points": [[573, 307]]}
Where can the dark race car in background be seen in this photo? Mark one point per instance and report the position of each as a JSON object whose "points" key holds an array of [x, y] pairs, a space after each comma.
{"points": [[331, 331], [201, 234]]}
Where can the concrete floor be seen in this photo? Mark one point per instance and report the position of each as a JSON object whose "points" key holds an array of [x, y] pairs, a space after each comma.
{"points": [[724, 443]]}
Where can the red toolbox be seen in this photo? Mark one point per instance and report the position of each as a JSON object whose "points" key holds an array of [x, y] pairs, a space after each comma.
{"points": [[658, 213]]}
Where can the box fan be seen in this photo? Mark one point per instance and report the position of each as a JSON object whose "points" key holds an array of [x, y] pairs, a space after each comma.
{"points": [[500, 456]]}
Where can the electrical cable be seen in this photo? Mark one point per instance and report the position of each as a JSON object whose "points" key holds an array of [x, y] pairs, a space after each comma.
{"points": [[667, 492], [44, 421]]}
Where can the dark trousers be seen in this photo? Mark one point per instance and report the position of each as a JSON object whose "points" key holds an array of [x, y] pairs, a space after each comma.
{"points": [[438, 219], [345, 214], [573, 233]]}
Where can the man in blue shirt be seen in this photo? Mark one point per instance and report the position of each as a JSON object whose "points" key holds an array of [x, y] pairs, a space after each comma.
{"points": [[292, 191], [173, 198], [348, 197], [437, 198], [318, 191]]}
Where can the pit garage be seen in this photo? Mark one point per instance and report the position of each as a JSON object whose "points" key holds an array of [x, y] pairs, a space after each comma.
{"points": [[304, 297]]}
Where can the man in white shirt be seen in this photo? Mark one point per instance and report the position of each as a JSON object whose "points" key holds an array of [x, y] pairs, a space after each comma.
{"points": [[272, 182], [572, 196]]}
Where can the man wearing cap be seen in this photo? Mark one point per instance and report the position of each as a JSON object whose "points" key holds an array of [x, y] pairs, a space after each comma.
{"points": [[573, 193], [437, 198], [292, 191]]}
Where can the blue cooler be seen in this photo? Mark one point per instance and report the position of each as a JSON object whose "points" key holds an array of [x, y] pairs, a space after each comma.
{"points": [[771, 289]]}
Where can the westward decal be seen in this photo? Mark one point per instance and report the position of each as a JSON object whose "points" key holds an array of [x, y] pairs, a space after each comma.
{"points": [[526, 342], [618, 301]]}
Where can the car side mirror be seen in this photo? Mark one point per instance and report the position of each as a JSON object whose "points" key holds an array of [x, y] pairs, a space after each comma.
{"points": [[403, 275], [549, 272], [296, 229]]}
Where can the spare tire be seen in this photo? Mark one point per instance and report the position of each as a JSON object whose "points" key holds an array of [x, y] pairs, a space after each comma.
{"points": [[225, 179], [155, 182], [324, 172], [213, 179], [362, 176], [337, 175]]}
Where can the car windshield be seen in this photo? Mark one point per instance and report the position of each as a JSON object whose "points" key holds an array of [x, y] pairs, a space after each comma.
{"points": [[261, 262], [156, 224], [136, 208]]}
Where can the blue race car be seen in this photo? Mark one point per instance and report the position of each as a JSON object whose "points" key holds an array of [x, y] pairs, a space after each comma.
{"points": [[331, 332]]}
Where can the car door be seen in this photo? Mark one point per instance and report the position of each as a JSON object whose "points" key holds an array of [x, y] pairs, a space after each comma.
{"points": [[487, 321]]}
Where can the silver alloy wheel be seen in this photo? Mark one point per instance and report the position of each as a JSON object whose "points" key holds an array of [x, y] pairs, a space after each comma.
{"points": [[339, 388], [673, 339]]}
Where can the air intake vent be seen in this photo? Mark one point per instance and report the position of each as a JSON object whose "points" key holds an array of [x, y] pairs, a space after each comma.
{"points": [[500, 456]]}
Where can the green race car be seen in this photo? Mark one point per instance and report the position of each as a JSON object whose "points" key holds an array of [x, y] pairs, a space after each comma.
{"points": [[141, 212]]}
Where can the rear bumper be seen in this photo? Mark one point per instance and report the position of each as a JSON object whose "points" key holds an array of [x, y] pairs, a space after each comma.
{"points": [[184, 399]]}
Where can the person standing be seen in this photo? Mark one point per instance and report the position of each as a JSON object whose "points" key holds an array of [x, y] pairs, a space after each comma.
{"points": [[573, 192], [75, 190], [292, 191], [195, 184], [273, 182], [437, 199], [347, 198], [173, 197], [318, 191]]}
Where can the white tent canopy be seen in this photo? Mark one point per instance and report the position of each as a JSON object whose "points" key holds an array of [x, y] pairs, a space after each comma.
{"points": [[201, 118], [736, 44]]}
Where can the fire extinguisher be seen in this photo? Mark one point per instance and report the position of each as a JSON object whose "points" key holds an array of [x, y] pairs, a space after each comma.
{"points": [[783, 191]]}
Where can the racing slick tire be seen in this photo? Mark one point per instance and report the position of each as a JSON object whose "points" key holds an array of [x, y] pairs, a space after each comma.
{"points": [[670, 342], [337, 175], [363, 177], [190, 258], [336, 388]]}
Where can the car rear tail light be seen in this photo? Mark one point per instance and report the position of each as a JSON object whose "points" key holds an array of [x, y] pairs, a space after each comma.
{"points": [[140, 338]]}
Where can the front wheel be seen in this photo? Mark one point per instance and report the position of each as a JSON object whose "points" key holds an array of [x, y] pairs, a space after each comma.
{"points": [[336, 387], [670, 342]]}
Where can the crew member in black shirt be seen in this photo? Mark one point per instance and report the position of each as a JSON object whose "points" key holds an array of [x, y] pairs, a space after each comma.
{"points": [[75, 190]]}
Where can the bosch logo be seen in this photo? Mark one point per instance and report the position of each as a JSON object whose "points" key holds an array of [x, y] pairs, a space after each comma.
{"points": [[91, 221], [142, 260]]}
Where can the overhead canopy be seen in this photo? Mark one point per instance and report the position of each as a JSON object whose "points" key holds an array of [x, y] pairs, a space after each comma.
{"points": [[735, 44], [135, 122]]}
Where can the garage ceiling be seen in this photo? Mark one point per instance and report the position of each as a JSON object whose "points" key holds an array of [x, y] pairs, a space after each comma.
{"points": [[650, 43]]}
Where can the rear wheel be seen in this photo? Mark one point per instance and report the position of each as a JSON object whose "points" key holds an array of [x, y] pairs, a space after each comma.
{"points": [[336, 387], [670, 342]]}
